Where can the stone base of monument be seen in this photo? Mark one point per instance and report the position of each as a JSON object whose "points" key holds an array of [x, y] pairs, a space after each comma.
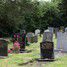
{"points": [[22, 51], [47, 60], [3, 57], [58, 50]]}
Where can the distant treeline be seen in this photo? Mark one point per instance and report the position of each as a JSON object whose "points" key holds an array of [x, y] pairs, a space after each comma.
{"points": [[24, 14]]}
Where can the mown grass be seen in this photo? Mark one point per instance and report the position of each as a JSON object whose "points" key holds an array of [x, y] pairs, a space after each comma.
{"points": [[22, 59]]}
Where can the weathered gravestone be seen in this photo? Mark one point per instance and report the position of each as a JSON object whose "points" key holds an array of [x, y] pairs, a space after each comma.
{"points": [[47, 45], [62, 28], [37, 31], [59, 40], [62, 41], [51, 29], [55, 31], [30, 37], [35, 38], [47, 36], [66, 29], [3, 47]]}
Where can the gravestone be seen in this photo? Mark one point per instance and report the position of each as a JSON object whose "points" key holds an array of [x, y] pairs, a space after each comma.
{"points": [[59, 40], [47, 50], [35, 38], [66, 29], [47, 36], [3, 47], [47, 46], [37, 31], [62, 28], [62, 41], [55, 31], [51, 29], [30, 37]]}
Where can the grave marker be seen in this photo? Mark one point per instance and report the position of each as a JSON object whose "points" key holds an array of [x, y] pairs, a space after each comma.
{"points": [[47, 36], [62, 41], [37, 31], [35, 38], [3, 47], [47, 46], [47, 50], [66, 29], [30, 37], [55, 31], [51, 29]]}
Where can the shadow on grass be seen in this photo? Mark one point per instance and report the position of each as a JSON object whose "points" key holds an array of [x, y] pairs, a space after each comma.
{"points": [[31, 61]]}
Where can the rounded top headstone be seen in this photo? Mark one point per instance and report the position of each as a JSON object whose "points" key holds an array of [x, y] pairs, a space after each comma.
{"points": [[46, 31]]}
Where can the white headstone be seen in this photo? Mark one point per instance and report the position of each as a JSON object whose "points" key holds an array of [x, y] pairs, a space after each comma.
{"points": [[59, 40], [37, 31], [62, 41]]}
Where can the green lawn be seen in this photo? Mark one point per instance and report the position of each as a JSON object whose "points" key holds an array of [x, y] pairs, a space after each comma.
{"points": [[23, 60]]}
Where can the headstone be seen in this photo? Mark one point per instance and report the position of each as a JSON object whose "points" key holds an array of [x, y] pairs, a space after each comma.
{"points": [[47, 46], [37, 31], [47, 50], [62, 28], [35, 38], [47, 36], [51, 29], [30, 37], [55, 31], [59, 40], [62, 41], [66, 29], [3, 47]]}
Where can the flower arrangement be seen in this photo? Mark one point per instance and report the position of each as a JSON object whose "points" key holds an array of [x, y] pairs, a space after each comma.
{"points": [[16, 47]]}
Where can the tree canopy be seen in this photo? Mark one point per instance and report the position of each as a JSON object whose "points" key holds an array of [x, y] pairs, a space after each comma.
{"points": [[24, 14]]}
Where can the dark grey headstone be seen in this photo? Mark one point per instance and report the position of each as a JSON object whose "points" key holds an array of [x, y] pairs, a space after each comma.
{"points": [[36, 38], [47, 50], [3, 48]]}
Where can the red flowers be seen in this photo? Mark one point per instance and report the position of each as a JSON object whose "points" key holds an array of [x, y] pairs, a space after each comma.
{"points": [[9, 51], [16, 45]]}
